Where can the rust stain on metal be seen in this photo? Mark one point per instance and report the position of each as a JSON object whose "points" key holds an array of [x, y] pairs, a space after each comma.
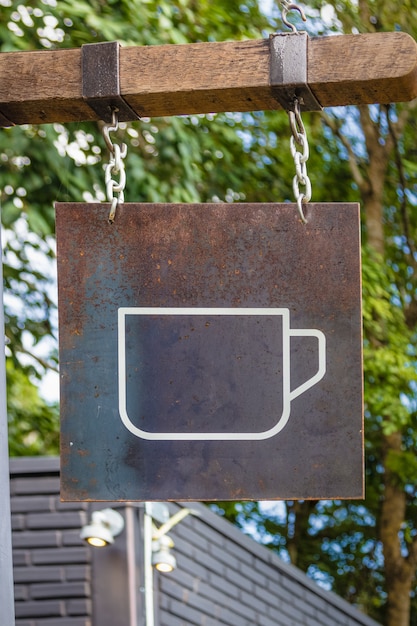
{"points": [[214, 373]]}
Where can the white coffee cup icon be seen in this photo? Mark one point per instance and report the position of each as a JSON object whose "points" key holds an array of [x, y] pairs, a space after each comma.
{"points": [[151, 370]]}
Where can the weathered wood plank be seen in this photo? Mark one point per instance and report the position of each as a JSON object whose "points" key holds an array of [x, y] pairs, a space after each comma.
{"points": [[45, 86], [41, 87], [363, 69], [197, 78]]}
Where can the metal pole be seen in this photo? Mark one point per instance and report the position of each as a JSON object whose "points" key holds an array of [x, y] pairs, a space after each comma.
{"points": [[131, 563], [147, 539], [6, 563]]}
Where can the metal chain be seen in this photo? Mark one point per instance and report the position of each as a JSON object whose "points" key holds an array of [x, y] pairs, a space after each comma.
{"points": [[115, 167], [286, 8], [300, 159], [299, 136]]}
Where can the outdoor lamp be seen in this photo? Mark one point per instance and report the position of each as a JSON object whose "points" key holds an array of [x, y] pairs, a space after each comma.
{"points": [[162, 559], [105, 525]]}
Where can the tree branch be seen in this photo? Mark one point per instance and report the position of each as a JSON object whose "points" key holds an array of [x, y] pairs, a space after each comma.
{"points": [[403, 185], [353, 161], [45, 364]]}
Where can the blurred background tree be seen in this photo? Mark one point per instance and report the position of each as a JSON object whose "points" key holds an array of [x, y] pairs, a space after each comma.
{"points": [[365, 551]]}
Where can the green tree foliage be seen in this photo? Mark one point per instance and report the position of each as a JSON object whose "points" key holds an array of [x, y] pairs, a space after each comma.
{"points": [[34, 428], [227, 157], [366, 551], [183, 159]]}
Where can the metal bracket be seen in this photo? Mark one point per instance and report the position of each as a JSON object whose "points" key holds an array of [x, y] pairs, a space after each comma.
{"points": [[288, 71], [5, 122], [100, 63]]}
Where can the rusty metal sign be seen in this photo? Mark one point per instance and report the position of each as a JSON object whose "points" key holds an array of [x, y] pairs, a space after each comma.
{"points": [[210, 352]]}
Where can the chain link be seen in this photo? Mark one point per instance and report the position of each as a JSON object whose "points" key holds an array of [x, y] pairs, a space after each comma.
{"points": [[286, 8], [115, 167], [299, 138]]}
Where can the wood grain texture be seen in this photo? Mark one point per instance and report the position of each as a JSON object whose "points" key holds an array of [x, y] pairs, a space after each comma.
{"points": [[197, 78], [45, 86], [41, 87], [363, 69]]}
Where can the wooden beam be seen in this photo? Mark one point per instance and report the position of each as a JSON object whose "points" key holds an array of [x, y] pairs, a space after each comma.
{"points": [[363, 69], [46, 86]]}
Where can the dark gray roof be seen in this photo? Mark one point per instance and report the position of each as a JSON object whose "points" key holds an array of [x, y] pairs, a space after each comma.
{"points": [[223, 577]]}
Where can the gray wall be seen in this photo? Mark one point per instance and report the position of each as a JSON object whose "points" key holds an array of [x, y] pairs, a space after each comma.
{"points": [[222, 578], [52, 569]]}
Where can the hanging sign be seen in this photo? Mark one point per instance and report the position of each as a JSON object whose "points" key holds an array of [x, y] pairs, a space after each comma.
{"points": [[210, 352]]}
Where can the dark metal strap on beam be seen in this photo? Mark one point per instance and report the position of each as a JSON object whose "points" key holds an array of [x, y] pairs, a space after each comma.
{"points": [[4, 122], [100, 63], [288, 71]]}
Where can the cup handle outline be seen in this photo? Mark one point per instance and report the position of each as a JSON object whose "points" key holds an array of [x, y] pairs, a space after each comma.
{"points": [[311, 332]]}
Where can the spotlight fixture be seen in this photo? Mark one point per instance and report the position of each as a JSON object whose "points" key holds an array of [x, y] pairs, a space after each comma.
{"points": [[162, 559], [105, 525]]}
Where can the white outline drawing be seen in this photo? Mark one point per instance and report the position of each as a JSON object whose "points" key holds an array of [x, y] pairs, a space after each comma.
{"points": [[288, 395]]}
